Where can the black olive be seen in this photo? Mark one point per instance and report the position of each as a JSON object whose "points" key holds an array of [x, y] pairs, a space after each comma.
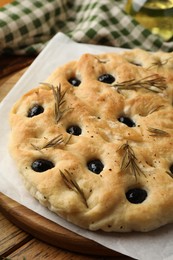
{"points": [[41, 165], [35, 110], [95, 166], [127, 121], [106, 78], [136, 195], [74, 130], [74, 81]]}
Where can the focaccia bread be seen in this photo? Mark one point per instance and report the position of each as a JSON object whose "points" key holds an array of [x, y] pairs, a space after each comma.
{"points": [[94, 143]]}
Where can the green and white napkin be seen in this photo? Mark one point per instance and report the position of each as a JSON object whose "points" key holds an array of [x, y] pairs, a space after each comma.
{"points": [[26, 26]]}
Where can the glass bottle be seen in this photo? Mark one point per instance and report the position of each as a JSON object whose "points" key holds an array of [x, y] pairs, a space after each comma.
{"points": [[156, 15]]}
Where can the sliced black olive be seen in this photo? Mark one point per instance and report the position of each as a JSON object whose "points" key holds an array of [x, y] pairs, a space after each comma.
{"points": [[95, 166], [127, 121], [136, 195], [74, 130], [74, 81], [106, 78], [35, 110], [42, 165]]}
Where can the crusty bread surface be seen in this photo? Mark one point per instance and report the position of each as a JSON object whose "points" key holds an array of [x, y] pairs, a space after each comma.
{"points": [[98, 151]]}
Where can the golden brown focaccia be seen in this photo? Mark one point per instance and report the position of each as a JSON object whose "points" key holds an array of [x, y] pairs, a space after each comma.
{"points": [[94, 143]]}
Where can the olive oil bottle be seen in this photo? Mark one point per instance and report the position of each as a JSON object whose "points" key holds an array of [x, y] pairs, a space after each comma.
{"points": [[156, 15]]}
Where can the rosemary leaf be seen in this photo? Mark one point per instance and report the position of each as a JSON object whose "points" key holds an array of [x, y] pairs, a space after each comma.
{"points": [[36, 148], [59, 100], [52, 143], [101, 61], [156, 109], [169, 173], [158, 63], [68, 139], [129, 161], [157, 132], [154, 83], [73, 185]]}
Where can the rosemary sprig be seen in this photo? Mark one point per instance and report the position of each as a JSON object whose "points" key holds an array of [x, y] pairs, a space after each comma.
{"points": [[51, 143], [59, 100], [158, 63], [157, 132], [154, 83], [129, 161], [73, 185]]}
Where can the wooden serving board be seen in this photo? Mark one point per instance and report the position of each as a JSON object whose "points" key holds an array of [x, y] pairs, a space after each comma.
{"points": [[39, 226], [49, 231]]}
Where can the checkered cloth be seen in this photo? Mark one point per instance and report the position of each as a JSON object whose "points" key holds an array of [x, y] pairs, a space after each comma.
{"points": [[26, 26]]}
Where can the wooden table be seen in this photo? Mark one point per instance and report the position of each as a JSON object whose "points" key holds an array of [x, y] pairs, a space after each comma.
{"points": [[14, 242]]}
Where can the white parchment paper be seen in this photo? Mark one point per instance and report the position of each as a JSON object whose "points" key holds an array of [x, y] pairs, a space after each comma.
{"points": [[145, 246]]}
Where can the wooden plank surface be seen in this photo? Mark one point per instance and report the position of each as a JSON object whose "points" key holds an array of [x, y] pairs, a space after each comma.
{"points": [[37, 250], [11, 237], [17, 244]]}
